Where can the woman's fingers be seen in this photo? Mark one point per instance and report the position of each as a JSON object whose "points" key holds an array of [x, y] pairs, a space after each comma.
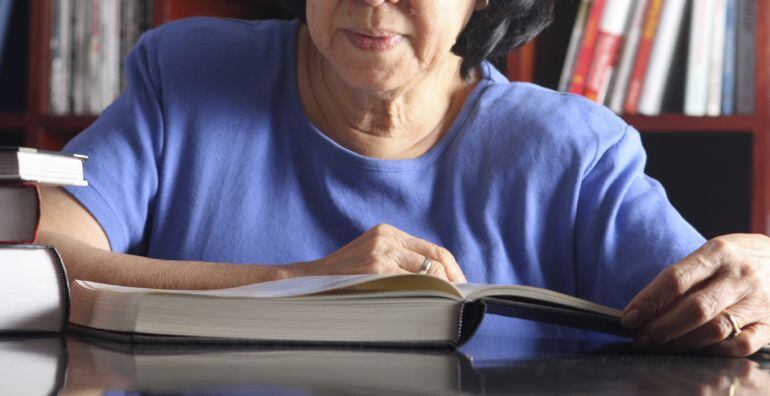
{"points": [[716, 330], [438, 255], [673, 283], [412, 262], [752, 338], [693, 311]]}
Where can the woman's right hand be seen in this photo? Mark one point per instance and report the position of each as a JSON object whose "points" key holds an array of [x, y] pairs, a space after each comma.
{"points": [[385, 249]]}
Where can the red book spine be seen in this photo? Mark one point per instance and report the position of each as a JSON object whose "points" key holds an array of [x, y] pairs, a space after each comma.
{"points": [[37, 215], [583, 64], [643, 56], [605, 59]]}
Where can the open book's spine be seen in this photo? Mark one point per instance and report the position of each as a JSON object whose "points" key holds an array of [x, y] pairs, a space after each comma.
{"points": [[469, 319]]}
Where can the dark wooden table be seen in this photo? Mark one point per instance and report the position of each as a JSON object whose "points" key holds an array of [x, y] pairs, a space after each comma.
{"points": [[487, 365]]}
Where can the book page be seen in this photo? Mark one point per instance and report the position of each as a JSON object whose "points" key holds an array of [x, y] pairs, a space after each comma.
{"points": [[395, 285], [474, 291]]}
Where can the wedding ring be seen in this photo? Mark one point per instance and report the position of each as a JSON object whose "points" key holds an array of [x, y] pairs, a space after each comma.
{"points": [[734, 323], [425, 266]]}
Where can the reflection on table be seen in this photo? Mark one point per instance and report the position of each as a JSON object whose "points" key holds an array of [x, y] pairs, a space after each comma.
{"points": [[75, 365]]}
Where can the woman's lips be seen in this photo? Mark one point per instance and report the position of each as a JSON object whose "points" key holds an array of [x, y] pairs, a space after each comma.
{"points": [[379, 41]]}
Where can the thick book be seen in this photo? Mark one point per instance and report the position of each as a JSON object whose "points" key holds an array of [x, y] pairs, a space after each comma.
{"points": [[745, 56], [642, 61], [608, 43], [662, 57], [716, 59], [696, 85], [43, 167], [586, 53], [574, 45], [20, 209], [619, 85], [33, 290], [396, 310]]}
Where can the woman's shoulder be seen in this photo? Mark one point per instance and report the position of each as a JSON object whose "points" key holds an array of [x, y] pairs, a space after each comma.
{"points": [[529, 114], [218, 41]]}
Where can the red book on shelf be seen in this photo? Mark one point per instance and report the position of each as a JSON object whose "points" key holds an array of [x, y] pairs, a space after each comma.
{"points": [[583, 64], [20, 212], [643, 56], [608, 42]]}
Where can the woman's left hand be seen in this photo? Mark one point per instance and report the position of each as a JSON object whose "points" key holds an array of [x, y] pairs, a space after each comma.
{"points": [[689, 305]]}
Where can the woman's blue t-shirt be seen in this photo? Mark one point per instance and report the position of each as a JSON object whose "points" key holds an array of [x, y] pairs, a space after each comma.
{"points": [[209, 156]]}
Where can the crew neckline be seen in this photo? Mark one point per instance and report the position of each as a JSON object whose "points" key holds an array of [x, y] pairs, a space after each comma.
{"points": [[336, 151]]}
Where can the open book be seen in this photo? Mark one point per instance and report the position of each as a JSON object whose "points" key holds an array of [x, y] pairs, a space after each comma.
{"points": [[387, 310]]}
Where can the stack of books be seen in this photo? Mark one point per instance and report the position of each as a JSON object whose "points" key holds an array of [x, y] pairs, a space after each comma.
{"points": [[33, 283], [90, 40], [630, 56]]}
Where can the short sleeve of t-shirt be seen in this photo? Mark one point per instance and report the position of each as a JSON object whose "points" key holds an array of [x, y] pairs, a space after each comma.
{"points": [[124, 145]]}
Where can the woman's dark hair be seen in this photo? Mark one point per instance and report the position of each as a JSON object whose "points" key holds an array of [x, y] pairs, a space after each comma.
{"points": [[492, 32]]}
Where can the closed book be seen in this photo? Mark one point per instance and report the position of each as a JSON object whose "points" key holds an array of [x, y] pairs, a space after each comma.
{"points": [[728, 68], [33, 290], [6, 10], [696, 80], [574, 45], [60, 57], [20, 211], [608, 42], [716, 59], [619, 85], [641, 63], [583, 63], [661, 57], [396, 310], [39, 166], [745, 57]]}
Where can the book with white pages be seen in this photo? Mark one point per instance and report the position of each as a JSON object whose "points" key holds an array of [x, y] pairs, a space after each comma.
{"points": [[399, 310], [42, 167]]}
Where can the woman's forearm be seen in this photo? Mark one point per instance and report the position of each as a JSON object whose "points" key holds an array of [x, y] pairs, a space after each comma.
{"points": [[86, 262]]}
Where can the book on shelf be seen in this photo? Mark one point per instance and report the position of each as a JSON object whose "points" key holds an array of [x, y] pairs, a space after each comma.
{"points": [[619, 85], [653, 56], [661, 57], [6, 11], [728, 68], [587, 46], [397, 310], [608, 43], [89, 42], [642, 60], [696, 85], [575, 42], [745, 56], [716, 59]]}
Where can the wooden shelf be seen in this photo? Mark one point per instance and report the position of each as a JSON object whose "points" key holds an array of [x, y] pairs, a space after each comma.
{"points": [[66, 124], [687, 124], [12, 121]]}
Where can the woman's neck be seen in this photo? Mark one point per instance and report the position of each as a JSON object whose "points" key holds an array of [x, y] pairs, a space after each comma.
{"points": [[389, 125]]}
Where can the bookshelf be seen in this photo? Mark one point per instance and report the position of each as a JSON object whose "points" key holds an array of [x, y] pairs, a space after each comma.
{"points": [[715, 169]]}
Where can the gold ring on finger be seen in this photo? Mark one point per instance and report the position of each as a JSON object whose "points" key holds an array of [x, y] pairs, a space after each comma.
{"points": [[734, 323]]}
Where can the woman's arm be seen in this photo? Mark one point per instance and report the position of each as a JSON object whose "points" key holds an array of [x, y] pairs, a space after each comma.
{"points": [[86, 252]]}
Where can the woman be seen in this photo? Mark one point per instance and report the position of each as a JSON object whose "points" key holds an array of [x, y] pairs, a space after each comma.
{"points": [[278, 143]]}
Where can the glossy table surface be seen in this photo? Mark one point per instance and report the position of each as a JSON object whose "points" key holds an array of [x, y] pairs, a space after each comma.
{"points": [[75, 365]]}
